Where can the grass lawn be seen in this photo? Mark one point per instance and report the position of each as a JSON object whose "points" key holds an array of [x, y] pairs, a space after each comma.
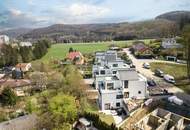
{"points": [[92, 107], [107, 118], [177, 70], [59, 51]]}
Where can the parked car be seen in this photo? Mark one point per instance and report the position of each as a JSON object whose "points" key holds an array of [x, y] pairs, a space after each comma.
{"points": [[132, 66], [121, 111], [146, 65], [159, 73], [169, 78], [151, 83]]}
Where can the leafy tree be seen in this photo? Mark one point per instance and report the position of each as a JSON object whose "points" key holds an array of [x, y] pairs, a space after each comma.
{"points": [[39, 79], [8, 97], [27, 54], [31, 105], [71, 49], [186, 35], [73, 83], [63, 107]]}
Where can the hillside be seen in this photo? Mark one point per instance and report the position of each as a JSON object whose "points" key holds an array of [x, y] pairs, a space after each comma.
{"points": [[15, 32], [102, 32], [163, 25], [180, 17]]}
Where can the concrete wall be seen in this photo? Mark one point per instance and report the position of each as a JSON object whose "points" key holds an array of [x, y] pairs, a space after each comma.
{"points": [[109, 98], [135, 87]]}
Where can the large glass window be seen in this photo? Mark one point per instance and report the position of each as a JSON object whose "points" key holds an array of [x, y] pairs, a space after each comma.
{"points": [[110, 86], [118, 104], [126, 82], [102, 72], [114, 72], [119, 96], [115, 65]]}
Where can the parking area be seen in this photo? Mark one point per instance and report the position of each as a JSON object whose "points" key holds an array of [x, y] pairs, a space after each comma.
{"points": [[161, 85]]}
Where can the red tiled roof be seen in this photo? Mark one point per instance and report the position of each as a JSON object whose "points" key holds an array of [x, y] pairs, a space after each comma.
{"points": [[72, 55], [139, 46], [21, 65], [144, 49]]}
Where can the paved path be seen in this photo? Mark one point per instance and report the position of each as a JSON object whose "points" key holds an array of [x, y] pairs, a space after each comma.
{"points": [[149, 74]]}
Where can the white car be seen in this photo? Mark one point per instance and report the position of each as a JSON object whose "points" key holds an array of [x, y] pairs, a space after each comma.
{"points": [[146, 65], [169, 78]]}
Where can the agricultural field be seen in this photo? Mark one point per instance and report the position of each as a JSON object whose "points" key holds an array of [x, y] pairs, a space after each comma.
{"points": [[59, 51]]}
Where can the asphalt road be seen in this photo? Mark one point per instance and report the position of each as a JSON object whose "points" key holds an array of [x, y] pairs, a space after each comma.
{"points": [[149, 74]]}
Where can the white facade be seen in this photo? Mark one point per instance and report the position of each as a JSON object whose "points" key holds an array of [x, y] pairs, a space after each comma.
{"points": [[27, 44], [169, 43], [4, 39], [116, 81]]}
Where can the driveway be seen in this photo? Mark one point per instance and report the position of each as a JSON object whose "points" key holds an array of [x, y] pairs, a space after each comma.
{"points": [[149, 74]]}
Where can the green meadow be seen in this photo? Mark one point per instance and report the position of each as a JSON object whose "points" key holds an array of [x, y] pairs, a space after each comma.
{"points": [[59, 51]]}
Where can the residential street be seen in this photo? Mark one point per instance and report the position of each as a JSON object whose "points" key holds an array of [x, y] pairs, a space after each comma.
{"points": [[149, 74]]}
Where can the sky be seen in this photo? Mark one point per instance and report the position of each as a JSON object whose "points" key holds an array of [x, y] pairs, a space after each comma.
{"points": [[41, 13]]}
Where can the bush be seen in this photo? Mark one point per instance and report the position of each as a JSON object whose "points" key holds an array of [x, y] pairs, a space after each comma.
{"points": [[8, 97], [98, 123]]}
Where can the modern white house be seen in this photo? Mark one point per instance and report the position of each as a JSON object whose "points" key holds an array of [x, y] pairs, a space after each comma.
{"points": [[4, 39], [116, 81]]}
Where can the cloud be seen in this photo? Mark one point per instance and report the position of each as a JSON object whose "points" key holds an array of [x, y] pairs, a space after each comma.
{"points": [[76, 13], [87, 10], [14, 18]]}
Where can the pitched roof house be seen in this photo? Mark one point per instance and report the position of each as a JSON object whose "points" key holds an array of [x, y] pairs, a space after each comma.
{"points": [[24, 66], [76, 57], [19, 86], [139, 49]]}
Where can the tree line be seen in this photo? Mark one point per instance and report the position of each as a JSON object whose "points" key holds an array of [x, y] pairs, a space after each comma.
{"points": [[186, 37], [11, 55]]}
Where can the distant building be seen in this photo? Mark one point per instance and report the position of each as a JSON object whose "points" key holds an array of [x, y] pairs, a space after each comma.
{"points": [[169, 43], [140, 50], [20, 87], [76, 57], [17, 74], [24, 66], [161, 119], [27, 44], [4, 39]]}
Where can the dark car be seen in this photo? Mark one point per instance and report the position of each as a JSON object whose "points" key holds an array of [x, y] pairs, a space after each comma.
{"points": [[132, 66], [121, 111], [159, 73], [151, 83]]}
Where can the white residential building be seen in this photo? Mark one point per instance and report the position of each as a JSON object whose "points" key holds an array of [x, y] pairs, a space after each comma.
{"points": [[169, 43], [116, 81], [4, 39], [27, 44]]}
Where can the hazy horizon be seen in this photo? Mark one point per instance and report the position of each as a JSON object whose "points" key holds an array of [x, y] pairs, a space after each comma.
{"points": [[34, 13]]}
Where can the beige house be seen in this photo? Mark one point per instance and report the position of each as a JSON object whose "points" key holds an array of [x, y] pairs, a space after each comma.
{"points": [[24, 66]]}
